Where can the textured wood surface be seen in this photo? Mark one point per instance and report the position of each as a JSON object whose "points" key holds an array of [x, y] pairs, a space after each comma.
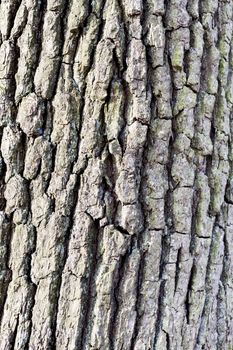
{"points": [[116, 175]]}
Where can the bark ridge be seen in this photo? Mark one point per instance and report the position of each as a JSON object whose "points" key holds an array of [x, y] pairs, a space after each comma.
{"points": [[116, 175]]}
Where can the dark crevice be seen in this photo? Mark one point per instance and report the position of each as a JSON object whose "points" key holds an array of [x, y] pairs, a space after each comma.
{"points": [[186, 66], [101, 137], [81, 116], [228, 198], [40, 10], [88, 299], [3, 169], [14, 8], [178, 268], [194, 218], [7, 233], [172, 74], [165, 249], [213, 138], [208, 164], [110, 197], [167, 341], [189, 291], [68, 232], [21, 26], [14, 334], [222, 300], [45, 108], [122, 134], [63, 22], [66, 241], [158, 326], [28, 266], [31, 304], [126, 91], [122, 230], [208, 285], [52, 169], [54, 292], [138, 299], [22, 151], [115, 297], [92, 55], [77, 34]]}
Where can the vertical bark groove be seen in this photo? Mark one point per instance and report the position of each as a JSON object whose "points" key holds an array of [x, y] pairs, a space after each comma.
{"points": [[116, 175]]}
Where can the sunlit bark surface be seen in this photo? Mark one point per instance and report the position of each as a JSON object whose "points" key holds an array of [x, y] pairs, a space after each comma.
{"points": [[116, 175]]}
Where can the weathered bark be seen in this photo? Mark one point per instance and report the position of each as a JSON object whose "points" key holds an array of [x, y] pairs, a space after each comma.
{"points": [[116, 189]]}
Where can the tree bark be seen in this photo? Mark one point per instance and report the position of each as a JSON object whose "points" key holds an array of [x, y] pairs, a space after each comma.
{"points": [[116, 187]]}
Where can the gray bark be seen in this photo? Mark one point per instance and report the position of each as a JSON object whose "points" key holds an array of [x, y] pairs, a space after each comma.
{"points": [[116, 175]]}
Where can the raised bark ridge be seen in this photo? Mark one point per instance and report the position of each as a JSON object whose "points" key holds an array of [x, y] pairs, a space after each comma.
{"points": [[116, 191]]}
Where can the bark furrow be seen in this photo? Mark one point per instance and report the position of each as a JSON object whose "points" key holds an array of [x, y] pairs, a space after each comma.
{"points": [[116, 175]]}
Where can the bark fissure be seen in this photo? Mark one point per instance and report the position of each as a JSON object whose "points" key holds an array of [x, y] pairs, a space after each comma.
{"points": [[116, 184]]}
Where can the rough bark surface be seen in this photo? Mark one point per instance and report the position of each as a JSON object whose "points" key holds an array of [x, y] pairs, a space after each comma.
{"points": [[116, 164]]}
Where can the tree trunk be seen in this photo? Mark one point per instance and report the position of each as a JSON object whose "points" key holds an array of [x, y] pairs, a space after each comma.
{"points": [[116, 188]]}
